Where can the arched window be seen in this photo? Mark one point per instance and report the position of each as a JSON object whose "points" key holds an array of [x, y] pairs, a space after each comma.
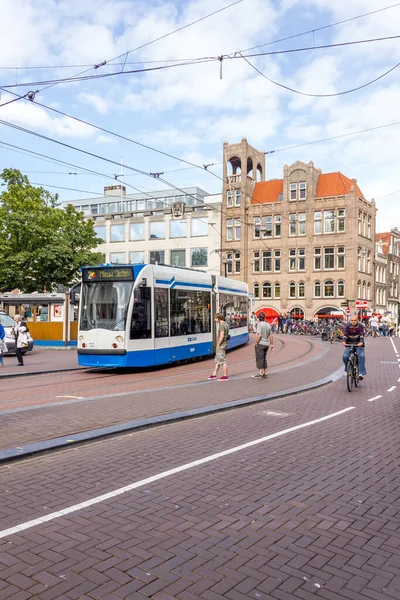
{"points": [[329, 288], [340, 288], [317, 289], [364, 290], [292, 290], [369, 291], [267, 290], [277, 290], [358, 289], [302, 289], [256, 290]]}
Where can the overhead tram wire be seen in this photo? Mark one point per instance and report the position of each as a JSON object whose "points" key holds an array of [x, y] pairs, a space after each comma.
{"points": [[190, 62], [110, 63]]}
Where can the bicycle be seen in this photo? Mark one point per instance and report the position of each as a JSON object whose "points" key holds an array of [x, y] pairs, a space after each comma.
{"points": [[352, 368]]}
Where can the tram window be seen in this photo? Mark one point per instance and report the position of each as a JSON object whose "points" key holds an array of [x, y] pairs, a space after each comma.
{"points": [[190, 312], [161, 310], [234, 309], [141, 314]]}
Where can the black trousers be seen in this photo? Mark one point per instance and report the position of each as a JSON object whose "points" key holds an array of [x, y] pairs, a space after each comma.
{"points": [[18, 352]]}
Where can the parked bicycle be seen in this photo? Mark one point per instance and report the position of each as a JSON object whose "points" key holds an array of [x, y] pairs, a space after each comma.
{"points": [[352, 368]]}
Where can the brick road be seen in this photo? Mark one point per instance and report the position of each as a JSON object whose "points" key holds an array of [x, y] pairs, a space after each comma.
{"points": [[87, 401], [312, 512]]}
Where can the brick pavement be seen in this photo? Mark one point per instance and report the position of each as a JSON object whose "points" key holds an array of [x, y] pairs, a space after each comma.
{"points": [[313, 513], [126, 398]]}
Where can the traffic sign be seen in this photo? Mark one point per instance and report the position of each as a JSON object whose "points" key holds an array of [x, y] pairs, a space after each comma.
{"points": [[348, 310], [361, 304]]}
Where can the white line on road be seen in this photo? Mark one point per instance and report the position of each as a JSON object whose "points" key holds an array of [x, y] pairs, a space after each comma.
{"points": [[392, 388], [143, 482], [76, 397], [398, 379], [394, 347], [374, 398]]}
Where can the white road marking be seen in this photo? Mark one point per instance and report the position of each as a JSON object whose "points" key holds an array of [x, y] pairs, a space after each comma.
{"points": [[392, 388], [394, 347], [398, 379], [133, 486], [374, 398], [76, 397]]}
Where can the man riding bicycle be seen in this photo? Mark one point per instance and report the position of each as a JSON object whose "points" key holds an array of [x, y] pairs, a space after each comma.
{"points": [[354, 336]]}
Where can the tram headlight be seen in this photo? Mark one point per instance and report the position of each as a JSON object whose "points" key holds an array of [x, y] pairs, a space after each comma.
{"points": [[119, 338], [81, 338]]}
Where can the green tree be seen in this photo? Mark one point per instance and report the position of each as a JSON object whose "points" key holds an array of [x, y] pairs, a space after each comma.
{"points": [[41, 245]]}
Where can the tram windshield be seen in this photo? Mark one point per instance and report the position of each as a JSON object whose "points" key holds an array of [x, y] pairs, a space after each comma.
{"points": [[104, 305]]}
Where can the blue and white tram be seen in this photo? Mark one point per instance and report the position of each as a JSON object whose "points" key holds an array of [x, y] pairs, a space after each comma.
{"points": [[147, 315]]}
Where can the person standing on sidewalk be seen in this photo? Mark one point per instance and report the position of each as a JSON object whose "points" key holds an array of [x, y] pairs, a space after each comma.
{"points": [[264, 341], [3, 347], [20, 332], [222, 345]]}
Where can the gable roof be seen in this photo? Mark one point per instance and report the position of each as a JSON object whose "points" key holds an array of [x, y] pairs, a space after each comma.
{"points": [[329, 184], [385, 238], [335, 184]]}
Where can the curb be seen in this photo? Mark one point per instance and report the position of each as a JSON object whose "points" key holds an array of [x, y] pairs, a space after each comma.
{"points": [[27, 373], [30, 450]]}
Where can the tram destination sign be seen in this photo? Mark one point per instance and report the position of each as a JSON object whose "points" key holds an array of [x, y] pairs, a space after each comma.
{"points": [[108, 274]]}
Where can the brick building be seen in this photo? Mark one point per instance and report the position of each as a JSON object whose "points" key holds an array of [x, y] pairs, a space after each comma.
{"points": [[304, 243], [389, 243]]}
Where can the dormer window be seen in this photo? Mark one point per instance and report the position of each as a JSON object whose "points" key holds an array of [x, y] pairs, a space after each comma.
{"points": [[297, 191]]}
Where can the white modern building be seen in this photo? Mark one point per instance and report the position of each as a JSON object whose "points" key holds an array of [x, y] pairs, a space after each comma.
{"points": [[157, 227]]}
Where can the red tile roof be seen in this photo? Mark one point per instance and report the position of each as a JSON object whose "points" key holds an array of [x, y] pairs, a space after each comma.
{"points": [[385, 238], [329, 184]]}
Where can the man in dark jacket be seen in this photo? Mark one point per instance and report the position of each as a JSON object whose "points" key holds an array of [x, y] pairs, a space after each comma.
{"points": [[354, 335]]}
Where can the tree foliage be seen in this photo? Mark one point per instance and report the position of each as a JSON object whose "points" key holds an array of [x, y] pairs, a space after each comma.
{"points": [[41, 245]]}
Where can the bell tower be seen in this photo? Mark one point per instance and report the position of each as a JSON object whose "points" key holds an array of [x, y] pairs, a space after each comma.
{"points": [[243, 167]]}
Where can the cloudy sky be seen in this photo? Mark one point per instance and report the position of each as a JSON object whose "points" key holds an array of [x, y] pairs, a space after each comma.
{"points": [[187, 110]]}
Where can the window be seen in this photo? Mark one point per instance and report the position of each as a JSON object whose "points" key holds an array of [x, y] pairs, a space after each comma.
{"points": [[329, 258], [256, 290], [266, 226], [141, 314], [292, 290], [359, 259], [199, 257], [369, 261], [369, 227], [359, 222], [267, 260], [177, 228], [157, 230], [199, 227], [329, 221], [292, 223], [277, 225], [341, 213], [340, 288], [302, 190], [178, 258], [257, 227], [161, 313], [136, 231], [236, 262], [317, 289], [117, 233], [189, 312], [297, 191], [302, 289], [237, 197], [256, 262], [277, 260], [340, 257], [277, 290], [117, 258], [301, 252], [229, 263], [229, 199], [293, 191], [292, 259], [318, 222], [157, 257], [234, 309], [329, 288], [317, 259], [233, 229], [267, 290], [136, 257], [301, 229], [101, 233]]}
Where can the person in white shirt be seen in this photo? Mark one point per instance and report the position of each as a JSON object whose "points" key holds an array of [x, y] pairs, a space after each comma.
{"points": [[374, 324]]}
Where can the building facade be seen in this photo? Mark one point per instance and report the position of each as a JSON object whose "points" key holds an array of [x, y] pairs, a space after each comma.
{"points": [[304, 243], [157, 227], [381, 269], [390, 243]]}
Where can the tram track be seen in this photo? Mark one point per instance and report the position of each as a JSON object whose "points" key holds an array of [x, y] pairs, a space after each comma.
{"points": [[80, 392]]}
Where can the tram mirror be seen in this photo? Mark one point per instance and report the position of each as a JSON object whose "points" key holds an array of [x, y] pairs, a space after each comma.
{"points": [[143, 283]]}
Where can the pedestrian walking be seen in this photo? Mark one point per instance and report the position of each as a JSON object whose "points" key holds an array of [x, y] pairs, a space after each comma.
{"points": [[254, 322], [280, 326], [264, 341], [374, 324], [20, 332], [222, 345], [3, 347]]}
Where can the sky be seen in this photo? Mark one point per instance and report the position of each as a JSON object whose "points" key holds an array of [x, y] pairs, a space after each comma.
{"points": [[187, 108]]}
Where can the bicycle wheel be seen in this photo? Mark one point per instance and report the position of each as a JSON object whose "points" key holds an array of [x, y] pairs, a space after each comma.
{"points": [[350, 376]]}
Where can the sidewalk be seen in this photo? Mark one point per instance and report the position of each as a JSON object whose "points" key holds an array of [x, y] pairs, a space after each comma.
{"points": [[133, 401], [41, 360]]}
